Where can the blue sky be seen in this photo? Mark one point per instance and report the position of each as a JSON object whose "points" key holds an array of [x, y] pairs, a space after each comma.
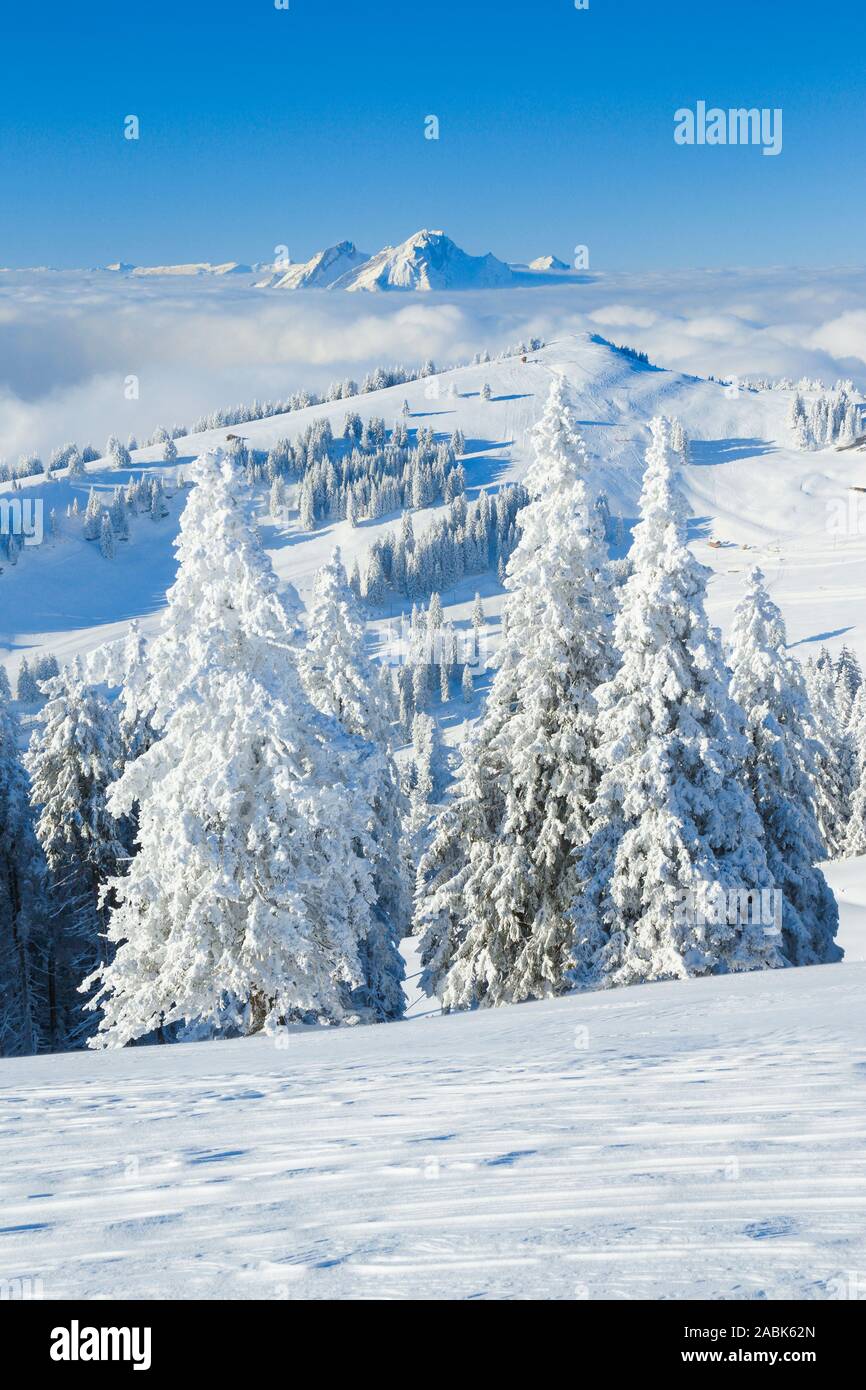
{"points": [[261, 127]]}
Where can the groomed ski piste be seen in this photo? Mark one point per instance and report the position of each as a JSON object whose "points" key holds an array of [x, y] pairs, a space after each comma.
{"points": [[688, 1139]]}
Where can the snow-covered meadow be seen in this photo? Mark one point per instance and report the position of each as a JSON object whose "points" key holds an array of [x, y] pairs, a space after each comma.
{"points": [[698, 1140]]}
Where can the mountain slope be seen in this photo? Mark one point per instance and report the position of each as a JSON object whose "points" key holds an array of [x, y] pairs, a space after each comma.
{"points": [[321, 271], [746, 484]]}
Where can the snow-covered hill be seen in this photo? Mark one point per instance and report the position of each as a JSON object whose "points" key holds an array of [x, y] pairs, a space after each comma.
{"points": [[754, 498], [669, 1141]]}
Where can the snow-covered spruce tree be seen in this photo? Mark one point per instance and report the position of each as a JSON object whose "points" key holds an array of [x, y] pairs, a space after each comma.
{"points": [[679, 441], [250, 893], [780, 770], [75, 754], [116, 454], [343, 682], [849, 679], [106, 538], [834, 785], [495, 887], [855, 842], [24, 1021], [422, 783], [675, 828], [123, 665], [27, 691]]}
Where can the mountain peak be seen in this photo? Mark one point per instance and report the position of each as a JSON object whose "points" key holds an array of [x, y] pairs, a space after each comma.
{"points": [[427, 260], [548, 263], [320, 271]]}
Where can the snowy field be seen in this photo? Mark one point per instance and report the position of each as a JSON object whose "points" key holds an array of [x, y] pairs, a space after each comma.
{"points": [[679, 1140]]}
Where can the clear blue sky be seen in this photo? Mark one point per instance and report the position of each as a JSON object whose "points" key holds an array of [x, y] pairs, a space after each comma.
{"points": [[261, 126]]}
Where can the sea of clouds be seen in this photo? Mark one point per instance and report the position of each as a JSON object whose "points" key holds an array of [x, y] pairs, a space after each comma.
{"points": [[70, 341]]}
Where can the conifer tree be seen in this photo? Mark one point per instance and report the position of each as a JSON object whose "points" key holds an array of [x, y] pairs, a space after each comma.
{"points": [[495, 887], [834, 785], [74, 756], [25, 1021], [855, 841], [27, 691], [342, 682], [106, 538], [780, 770], [675, 832], [250, 894], [93, 517]]}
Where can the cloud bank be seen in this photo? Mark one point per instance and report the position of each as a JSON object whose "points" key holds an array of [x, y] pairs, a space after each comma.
{"points": [[69, 341]]}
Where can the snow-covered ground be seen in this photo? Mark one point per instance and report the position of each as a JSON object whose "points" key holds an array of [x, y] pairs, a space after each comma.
{"points": [[677, 1140]]}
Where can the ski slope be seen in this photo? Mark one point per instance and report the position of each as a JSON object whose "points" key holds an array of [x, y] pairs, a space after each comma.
{"points": [[676, 1140]]}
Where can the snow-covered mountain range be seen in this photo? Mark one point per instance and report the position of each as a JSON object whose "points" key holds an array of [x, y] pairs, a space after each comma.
{"points": [[425, 261]]}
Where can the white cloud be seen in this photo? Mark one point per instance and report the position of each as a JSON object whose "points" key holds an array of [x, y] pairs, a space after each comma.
{"points": [[68, 340], [844, 336], [622, 316]]}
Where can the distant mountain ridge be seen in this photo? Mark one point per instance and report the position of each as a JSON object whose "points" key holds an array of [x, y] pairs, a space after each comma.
{"points": [[426, 261]]}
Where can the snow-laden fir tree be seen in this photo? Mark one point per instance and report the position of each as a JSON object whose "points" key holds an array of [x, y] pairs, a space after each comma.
{"points": [[343, 682], [834, 784], [123, 665], [422, 782], [24, 1018], [116, 454], [251, 891], [106, 538], [675, 830], [855, 841], [495, 888], [679, 441], [849, 679], [74, 756], [479, 622], [27, 691], [93, 516], [780, 770]]}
